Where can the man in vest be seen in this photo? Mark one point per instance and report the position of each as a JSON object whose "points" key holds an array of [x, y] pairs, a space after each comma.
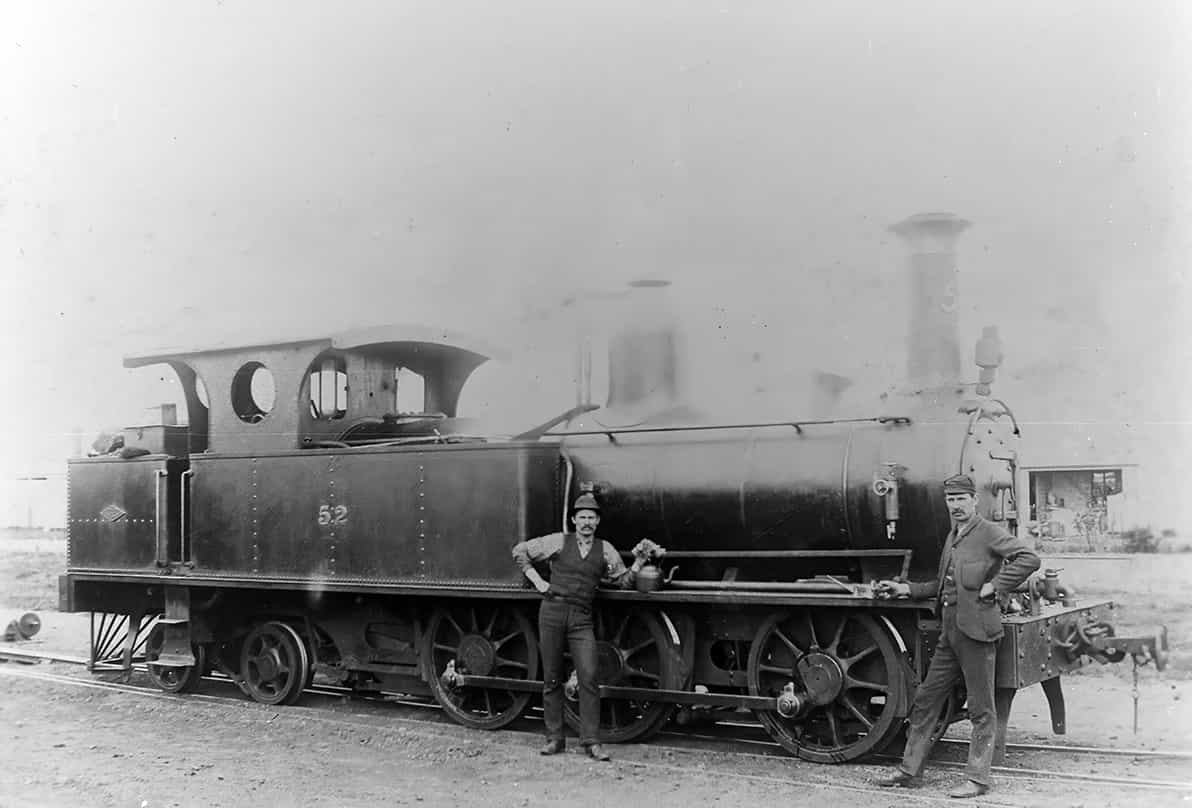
{"points": [[980, 562], [579, 562]]}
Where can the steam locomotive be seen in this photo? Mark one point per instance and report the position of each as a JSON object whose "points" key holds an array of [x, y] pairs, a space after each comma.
{"points": [[331, 531]]}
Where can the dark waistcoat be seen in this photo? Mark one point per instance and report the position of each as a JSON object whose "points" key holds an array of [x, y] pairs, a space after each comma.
{"points": [[574, 578]]}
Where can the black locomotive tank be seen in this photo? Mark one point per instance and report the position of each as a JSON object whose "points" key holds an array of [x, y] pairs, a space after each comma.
{"points": [[833, 485]]}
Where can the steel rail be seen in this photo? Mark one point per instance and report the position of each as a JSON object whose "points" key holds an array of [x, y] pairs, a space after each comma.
{"points": [[1022, 747], [18, 655], [1083, 750], [388, 697], [426, 726], [1014, 773]]}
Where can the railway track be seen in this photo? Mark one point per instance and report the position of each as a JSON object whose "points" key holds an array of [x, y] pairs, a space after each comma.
{"points": [[733, 741]]}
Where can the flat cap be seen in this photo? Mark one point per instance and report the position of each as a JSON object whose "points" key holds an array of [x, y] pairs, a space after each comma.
{"points": [[960, 484], [586, 502]]}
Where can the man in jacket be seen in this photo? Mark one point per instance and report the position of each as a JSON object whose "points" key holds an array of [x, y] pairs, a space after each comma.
{"points": [[980, 562], [579, 563]]}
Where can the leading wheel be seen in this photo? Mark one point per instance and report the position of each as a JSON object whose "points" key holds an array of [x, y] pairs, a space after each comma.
{"points": [[482, 640], [851, 672], [274, 663], [171, 678], [634, 648]]}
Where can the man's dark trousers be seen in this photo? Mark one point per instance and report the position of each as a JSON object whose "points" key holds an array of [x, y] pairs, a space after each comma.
{"points": [[956, 655], [561, 624]]}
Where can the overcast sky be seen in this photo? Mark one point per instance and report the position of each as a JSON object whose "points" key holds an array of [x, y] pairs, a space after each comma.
{"points": [[173, 173]]}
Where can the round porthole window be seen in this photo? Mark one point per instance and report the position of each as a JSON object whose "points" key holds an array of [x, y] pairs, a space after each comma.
{"points": [[253, 392]]}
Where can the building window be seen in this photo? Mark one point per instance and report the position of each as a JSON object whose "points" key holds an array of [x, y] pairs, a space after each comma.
{"points": [[329, 390], [1104, 484]]}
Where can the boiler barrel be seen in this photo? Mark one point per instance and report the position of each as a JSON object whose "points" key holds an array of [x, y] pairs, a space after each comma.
{"points": [[772, 488]]}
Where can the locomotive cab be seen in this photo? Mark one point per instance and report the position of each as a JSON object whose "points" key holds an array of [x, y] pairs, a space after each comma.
{"points": [[348, 388], [131, 508], [317, 466]]}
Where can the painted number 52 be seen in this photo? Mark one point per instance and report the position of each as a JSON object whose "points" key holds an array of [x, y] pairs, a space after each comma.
{"points": [[333, 514]]}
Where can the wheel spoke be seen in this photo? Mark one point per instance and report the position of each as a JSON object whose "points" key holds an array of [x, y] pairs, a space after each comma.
{"points": [[619, 635], [492, 622], [838, 634], [503, 662], [774, 669], [447, 616], [788, 642], [834, 728], [641, 674], [497, 644], [812, 637], [444, 647], [850, 661], [640, 647], [474, 621], [860, 684], [852, 708], [488, 703]]}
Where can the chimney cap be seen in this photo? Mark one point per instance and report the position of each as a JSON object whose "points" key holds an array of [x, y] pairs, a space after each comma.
{"points": [[938, 224]]}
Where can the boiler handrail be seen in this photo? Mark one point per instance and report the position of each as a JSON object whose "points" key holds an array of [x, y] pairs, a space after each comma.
{"points": [[797, 425]]}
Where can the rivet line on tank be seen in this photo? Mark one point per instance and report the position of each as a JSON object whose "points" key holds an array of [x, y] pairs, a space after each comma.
{"points": [[256, 547]]}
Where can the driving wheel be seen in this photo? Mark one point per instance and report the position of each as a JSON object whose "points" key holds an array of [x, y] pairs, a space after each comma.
{"points": [[634, 648], [482, 640], [850, 672]]}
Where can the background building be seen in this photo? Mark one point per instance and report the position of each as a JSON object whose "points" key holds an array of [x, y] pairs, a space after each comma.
{"points": [[1080, 487]]}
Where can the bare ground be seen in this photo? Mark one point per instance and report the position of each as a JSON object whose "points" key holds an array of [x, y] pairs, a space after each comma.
{"points": [[66, 746], [78, 746]]}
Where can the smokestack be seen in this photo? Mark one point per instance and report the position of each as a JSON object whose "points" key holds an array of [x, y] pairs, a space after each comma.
{"points": [[643, 352], [933, 343]]}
